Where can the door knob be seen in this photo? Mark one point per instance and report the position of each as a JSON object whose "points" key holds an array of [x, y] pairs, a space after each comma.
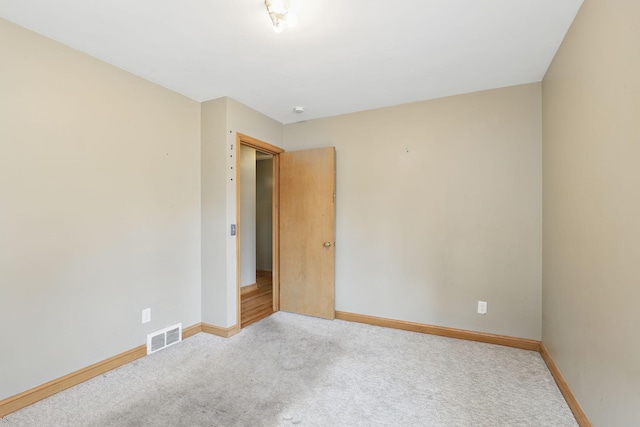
{"points": [[327, 244]]}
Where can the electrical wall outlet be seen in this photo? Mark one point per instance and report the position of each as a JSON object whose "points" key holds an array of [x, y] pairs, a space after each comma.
{"points": [[482, 307], [146, 315]]}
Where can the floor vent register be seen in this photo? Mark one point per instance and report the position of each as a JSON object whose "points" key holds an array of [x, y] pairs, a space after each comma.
{"points": [[164, 338]]}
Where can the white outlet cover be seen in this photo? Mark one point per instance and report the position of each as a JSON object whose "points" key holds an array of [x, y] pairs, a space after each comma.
{"points": [[482, 307], [146, 315]]}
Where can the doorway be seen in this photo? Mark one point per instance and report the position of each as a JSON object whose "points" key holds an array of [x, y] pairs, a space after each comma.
{"points": [[257, 229], [256, 243]]}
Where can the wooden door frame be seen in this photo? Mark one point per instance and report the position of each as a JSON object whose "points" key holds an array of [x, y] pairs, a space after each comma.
{"points": [[265, 147]]}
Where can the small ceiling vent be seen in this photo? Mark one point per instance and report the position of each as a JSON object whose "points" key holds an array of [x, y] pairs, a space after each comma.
{"points": [[164, 338]]}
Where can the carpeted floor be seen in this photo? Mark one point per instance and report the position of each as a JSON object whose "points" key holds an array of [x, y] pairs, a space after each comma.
{"points": [[291, 370]]}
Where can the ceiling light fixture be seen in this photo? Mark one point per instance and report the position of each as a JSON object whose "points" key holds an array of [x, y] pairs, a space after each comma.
{"points": [[280, 14]]}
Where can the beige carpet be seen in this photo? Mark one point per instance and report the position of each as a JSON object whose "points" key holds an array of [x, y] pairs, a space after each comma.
{"points": [[292, 370]]}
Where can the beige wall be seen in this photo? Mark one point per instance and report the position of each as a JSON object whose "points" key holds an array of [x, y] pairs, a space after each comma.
{"points": [[245, 120], [222, 119], [248, 216], [439, 206], [214, 178], [100, 209], [591, 133], [241, 119]]}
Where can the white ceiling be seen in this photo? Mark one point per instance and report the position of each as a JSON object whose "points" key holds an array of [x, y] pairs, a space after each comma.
{"points": [[344, 55]]}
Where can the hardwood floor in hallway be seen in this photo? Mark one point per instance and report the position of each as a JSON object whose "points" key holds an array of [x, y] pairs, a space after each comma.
{"points": [[257, 304]]}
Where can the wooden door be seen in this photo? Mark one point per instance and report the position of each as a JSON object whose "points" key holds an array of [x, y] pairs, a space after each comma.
{"points": [[307, 232]]}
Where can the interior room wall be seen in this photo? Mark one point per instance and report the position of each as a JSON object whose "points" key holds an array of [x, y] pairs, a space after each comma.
{"points": [[264, 214], [438, 206], [247, 216], [247, 121], [214, 176], [591, 134], [222, 119], [100, 216]]}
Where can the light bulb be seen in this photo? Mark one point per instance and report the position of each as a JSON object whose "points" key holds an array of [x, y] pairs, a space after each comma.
{"points": [[279, 14]]}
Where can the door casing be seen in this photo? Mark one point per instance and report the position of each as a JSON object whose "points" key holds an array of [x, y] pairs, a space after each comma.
{"points": [[265, 147]]}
